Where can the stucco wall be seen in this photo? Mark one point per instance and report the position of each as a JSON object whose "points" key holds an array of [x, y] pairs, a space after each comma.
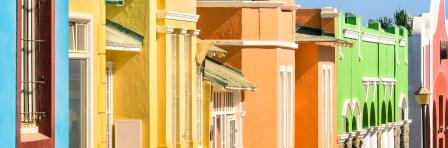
{"points": [[131, 69], [306, 91], [8, 75], [62, 76]]}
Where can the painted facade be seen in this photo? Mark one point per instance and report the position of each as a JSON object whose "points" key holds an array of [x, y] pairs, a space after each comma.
{"points": [[428, 49], [315, 79], [8, 57], [255, 32], [154, 83], [87, 62], [372, 84], [34, 105]]}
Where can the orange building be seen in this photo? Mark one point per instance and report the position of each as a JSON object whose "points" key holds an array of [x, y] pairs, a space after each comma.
{"points": [[315, 104], [260, 41]]}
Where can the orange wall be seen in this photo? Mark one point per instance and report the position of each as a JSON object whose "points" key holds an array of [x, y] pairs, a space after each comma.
{"points": [[219, 23], [308, 18], [306, 114]]}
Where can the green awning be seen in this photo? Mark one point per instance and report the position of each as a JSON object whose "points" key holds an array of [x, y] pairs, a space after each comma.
{"points": [[117, 2], [225, 76], [122, 38]]}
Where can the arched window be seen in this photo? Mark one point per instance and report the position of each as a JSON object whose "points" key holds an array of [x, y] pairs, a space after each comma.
{"points": [[346, 114], [403, 107]]}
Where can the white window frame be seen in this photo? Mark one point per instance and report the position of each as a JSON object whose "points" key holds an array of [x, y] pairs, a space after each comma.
{"points": [[109, 104], [88, 56], [226, 105]]}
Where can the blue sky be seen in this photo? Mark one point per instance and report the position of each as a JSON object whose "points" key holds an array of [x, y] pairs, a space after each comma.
{"points": [[370, 9]]}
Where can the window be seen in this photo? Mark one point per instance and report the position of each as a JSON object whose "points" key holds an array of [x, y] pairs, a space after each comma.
{"points": [[225, 119], [286, 107], [109, 105], [35, 69], [79, 72], [443, 50]]}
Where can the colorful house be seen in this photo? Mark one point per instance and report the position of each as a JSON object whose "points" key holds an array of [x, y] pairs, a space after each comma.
{"points": [[259, 39], [87, 56], [428, 54], [372, 84], [315, 79], [35, 80], [223, 87], [152, 74]]}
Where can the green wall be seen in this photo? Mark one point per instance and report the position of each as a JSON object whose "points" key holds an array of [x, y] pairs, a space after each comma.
{"points": [[369, 59]]}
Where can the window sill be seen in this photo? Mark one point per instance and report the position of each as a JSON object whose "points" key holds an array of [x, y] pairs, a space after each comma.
{"points": [[33, 137]]}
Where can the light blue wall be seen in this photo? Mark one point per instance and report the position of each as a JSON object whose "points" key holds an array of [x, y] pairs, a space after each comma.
{"points": [[8, 73], [62, 87]]}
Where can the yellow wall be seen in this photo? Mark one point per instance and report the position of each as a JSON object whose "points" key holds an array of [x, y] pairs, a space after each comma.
{"points": [[96, 9], [140, 80], [131, 73]]}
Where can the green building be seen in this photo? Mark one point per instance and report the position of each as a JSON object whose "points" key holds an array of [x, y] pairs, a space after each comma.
{"points": [[372, 84]]}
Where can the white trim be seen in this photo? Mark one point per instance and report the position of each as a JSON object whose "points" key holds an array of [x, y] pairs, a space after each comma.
{"points": [[329, 12], [119, 48], [110, 100], [165, 29], [284, 44], [237, 4], [351, 34], [390, 80], [369, 37], [179, 16], [387, 40], [402, 43], [78, 16]]}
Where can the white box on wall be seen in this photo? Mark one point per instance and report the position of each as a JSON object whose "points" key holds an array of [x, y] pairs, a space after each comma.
{"points": [[128, 134]]}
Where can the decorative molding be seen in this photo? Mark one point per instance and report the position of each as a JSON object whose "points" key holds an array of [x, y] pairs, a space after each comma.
{"points": [[194, 32], [387, 40], [371, 37], [329, 12], [291, 45], [123, 48], [375, 38], [172, 15], [164, 29], [237, 4], [402, 43], [351, 34]]}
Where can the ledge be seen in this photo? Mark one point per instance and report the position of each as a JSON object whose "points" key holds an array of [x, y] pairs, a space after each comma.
{"points": [[284, 44], [237, 4], [33, 137]]}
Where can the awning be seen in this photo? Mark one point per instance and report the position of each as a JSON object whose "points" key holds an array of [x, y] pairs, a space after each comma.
{"points": [[225, 76], [207, 48], [304, 35], [121, 38], [117, 2]]}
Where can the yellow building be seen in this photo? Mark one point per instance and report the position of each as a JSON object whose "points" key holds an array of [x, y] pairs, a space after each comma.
{"points": [[87, 78], [152, 73]]}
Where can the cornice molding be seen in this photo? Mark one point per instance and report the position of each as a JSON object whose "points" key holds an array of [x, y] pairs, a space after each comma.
{"points": [[284, 44], [351, 34], [236, 4], [179, 16]]}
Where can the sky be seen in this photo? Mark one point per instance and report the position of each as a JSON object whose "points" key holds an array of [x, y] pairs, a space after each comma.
{"points": [[370, 9]]}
